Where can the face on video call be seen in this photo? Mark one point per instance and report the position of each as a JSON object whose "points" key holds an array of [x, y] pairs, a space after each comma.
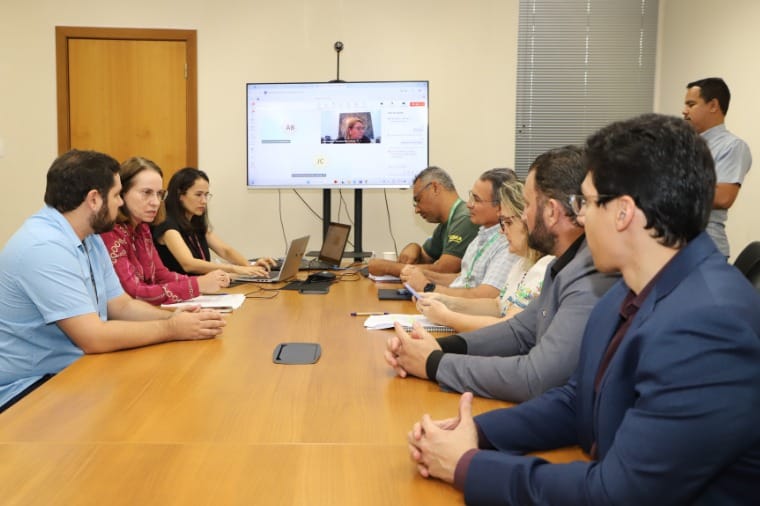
{"points": [[356, 131]]}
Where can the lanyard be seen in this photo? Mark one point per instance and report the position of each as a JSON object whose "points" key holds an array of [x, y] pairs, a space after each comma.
{"points": [[477, 256], [197, 244]]}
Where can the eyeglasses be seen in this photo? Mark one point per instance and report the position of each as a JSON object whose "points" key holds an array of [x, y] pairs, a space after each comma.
{"points": [[578, 203], [148, 194], [474, 199], [506, 221], [200, 195], [416, 196]]}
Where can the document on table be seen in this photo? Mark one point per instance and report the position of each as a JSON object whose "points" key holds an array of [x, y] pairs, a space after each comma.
{"points": [[384, 279], [386, 321], [222, 302]]}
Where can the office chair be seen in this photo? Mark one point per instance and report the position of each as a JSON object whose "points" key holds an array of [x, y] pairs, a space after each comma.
{"points": [[748, 262]]}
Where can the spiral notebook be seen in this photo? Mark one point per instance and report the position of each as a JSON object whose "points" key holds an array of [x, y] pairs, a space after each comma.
{"points": [[386, 321]]}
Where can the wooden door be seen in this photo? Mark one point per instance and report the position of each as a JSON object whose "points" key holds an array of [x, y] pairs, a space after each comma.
{"points": [[129, 92]]}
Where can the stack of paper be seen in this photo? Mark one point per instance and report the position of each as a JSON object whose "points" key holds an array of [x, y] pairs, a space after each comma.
{"points": [[222, 302], [384, 279], [386, 321]]}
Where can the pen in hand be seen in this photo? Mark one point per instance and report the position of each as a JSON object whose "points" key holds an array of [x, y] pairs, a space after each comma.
{"points": [[368, 313]]}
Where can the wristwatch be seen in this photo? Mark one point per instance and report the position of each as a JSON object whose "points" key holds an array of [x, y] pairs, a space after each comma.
{"points": [[430, 287]]}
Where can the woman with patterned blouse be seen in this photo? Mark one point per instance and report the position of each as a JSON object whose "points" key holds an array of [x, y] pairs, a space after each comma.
{"points": [[130, 243]]}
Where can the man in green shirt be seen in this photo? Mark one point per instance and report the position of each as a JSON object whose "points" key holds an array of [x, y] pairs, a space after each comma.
{"points": [[436, 200]]}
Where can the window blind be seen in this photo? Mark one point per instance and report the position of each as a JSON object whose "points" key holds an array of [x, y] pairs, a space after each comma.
{"points": [[581, 65]]}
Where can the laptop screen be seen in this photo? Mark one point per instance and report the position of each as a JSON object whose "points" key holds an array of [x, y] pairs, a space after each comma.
{"points": [[335, 243]]}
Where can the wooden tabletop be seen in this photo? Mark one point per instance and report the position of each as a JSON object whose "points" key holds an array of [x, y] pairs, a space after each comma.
{"points": [[217, 422]]}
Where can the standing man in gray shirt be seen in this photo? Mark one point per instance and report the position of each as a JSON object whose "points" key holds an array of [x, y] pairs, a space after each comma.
{"points": [[537, 349], [705, 107]]}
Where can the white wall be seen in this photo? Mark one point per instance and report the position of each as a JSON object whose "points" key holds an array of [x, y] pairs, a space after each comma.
{"points": [[467, 50], [707, 38]]}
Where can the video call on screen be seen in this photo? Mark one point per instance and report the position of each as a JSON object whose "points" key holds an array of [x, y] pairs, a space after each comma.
{"points": [[298, 134]]}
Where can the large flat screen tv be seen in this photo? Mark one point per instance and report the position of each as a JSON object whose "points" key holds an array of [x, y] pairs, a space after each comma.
{"points": [[336, 135]]}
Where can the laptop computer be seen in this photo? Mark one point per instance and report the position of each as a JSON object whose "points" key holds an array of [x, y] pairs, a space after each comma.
{"points": [[289, 266], [331, 254]]}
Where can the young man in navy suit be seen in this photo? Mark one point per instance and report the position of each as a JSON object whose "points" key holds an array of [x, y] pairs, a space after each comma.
{"points": [[666, 397]]}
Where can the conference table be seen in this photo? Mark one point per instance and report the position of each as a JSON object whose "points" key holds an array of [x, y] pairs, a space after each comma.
{"points": [[217, 422]]}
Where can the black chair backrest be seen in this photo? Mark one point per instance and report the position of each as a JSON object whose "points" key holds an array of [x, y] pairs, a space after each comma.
{"points": [[748, 262]]}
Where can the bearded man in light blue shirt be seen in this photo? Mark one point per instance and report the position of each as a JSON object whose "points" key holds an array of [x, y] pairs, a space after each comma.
{"points": [[59, 295]]}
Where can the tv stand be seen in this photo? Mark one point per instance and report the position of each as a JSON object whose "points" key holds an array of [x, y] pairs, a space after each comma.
{"points": [[357, 254]]}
